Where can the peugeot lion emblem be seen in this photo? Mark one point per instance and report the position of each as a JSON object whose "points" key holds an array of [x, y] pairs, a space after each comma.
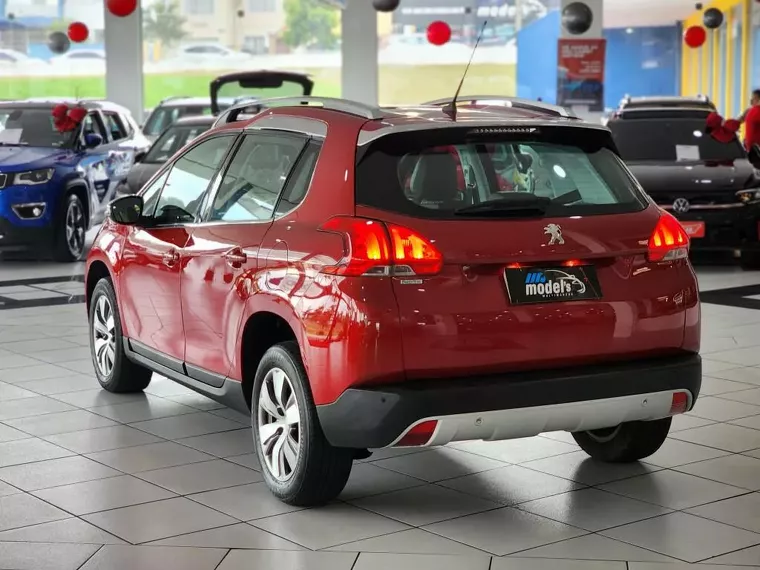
{"points": [[555, 233], [681, 205]]}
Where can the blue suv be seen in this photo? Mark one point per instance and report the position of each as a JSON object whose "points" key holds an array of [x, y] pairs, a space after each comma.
{"points": [[55, 185]]}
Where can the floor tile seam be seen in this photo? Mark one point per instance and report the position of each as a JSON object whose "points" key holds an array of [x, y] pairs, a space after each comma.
{"points": [[130, 424], [32, 491], [84, 454], [656, 468], [139, 474], [73, 345], [226, 554], [449, 478], [732, 552], [133, 426], [506, 462], [732, 423], [732, 525], [517, 554], [152, 542], [705, 477], [20, 385], [83, 564], [745, 492], [584, 533], [674, 435]]}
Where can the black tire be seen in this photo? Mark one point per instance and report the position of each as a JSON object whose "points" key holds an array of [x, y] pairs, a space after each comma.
{"points": [[625, 443], [321, 470], [124, 376], [70, 230]]}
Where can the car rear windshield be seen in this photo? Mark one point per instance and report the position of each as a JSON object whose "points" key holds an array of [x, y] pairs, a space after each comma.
{"points": [[173, 139], [671, 140], [454, 172], [162, 117]]}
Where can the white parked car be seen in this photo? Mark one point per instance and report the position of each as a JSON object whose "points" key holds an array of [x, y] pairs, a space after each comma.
{"points": [[14, 62], [83, 61], [211, 56]]}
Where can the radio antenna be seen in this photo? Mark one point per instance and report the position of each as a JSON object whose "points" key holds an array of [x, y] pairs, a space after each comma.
{"points": [[451, 109]]}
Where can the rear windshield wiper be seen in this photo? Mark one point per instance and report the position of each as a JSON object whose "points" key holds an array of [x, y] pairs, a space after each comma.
{"points": [[518, 204]]}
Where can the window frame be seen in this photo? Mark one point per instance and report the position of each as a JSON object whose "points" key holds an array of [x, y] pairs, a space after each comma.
{"points": [[210, 187], [311, 143], [207, 205]]}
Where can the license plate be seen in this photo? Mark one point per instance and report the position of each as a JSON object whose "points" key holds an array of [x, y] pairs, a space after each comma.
{"points": [[530, 285], [694, 229]]}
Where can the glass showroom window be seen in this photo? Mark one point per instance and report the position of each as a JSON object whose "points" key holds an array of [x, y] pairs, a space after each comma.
{"points": [[28, 66], [186, 48], [412, 70]]}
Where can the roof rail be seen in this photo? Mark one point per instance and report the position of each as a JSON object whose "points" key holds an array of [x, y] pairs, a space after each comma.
{"points": [[330, 103], [230, 114], [514, 102]]}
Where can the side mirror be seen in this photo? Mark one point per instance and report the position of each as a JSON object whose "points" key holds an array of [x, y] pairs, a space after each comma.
{"points": [[126, 210], [91, 140]]}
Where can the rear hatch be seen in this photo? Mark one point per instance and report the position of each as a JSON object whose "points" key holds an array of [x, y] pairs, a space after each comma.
{"points": [[543, 240], [253, 85]]}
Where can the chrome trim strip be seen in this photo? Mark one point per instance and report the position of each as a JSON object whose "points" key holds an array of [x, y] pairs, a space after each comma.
{"points": [[329, 103], [528, 422], [302, 125], [705, 206], [42, 205], [495, 121]]}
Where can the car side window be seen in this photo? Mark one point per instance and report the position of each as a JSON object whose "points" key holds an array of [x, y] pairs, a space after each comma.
{"points": [[150, 195], [299, 182], [188, 180], [93, 125], [255, 177], [115, 126]]}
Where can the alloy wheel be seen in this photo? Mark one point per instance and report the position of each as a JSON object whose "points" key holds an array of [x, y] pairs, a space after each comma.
{"points": [[75, 228], [279, 425], [103, 336]]}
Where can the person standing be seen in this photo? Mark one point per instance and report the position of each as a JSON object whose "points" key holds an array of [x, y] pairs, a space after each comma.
{"points": [[751, 120]]}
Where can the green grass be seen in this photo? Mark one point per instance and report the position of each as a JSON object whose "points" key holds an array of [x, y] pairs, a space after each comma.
{"points": [[398, 84]]}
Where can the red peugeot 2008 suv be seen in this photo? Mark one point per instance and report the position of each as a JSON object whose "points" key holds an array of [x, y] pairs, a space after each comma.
{"points": [[357, 278]]}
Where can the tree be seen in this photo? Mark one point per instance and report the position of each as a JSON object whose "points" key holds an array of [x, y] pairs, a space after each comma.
{"points": [[162, 22], [309, 23]]}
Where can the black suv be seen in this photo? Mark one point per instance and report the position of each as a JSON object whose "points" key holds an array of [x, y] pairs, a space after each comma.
{"points": [[712, 187]]}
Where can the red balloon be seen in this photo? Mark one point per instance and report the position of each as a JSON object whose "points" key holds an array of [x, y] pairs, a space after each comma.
{"points": [[695, 36], [438, 33], [78, 32], [121, 8]]}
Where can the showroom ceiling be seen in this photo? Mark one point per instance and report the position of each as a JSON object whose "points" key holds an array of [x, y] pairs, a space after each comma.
{"points": [[631, 13]]}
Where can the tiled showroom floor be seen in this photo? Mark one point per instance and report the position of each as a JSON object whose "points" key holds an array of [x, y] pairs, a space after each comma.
{"points": [[167, 480]]}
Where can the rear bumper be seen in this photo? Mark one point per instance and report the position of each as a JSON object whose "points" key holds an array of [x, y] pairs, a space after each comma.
{"points": [[726, 229], [512, 405]]}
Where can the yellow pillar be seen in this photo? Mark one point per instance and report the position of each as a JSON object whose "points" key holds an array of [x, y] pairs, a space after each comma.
{"points": [[729, 63], [715, 95], [746, 31], [704, 87]]}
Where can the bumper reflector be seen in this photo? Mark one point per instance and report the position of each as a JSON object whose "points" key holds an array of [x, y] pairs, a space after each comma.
{"points": [[419, 434], [679, 404]]}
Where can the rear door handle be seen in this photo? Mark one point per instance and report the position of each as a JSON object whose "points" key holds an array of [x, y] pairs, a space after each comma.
{"points": [[170, 258], [236, 257]]}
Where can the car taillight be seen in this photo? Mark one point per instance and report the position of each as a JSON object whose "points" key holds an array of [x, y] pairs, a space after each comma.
{"points": [[377, 248], [679, 404], [669, 241]]}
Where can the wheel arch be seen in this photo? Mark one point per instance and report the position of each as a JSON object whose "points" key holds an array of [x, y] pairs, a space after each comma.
{"points": [[79, 187], [268, 322]]}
